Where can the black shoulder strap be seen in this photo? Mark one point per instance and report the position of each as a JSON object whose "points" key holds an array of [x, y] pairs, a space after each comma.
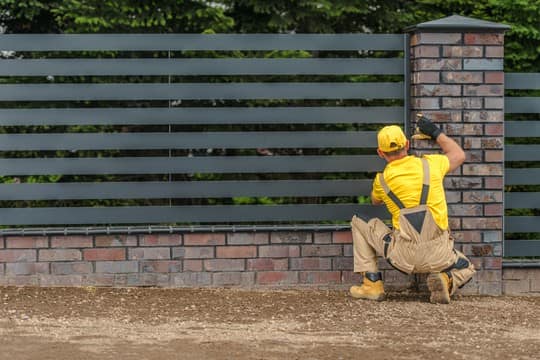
{"points": [[425, 187]]}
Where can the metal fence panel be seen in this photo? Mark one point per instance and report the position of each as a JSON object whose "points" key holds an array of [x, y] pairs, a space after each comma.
{"points": [[146, 129]]}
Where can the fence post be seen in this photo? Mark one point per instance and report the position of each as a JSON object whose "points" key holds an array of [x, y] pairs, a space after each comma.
{"points": [[457, 79]]}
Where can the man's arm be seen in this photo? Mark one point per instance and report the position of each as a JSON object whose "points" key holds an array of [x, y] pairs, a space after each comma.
{"points": [[454, 152], [374, 200], [451, 149]]}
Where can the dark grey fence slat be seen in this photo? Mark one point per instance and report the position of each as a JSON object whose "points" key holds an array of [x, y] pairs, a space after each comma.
{"points": [[522, 105], [522, 153], [522, 81], [195, 91], [180, 214], [123, 67], [184, 189], [189, 140], [522, 128], [523, 224], [521, 248], [206, 164], [522, 200], [151, 42], [529, 176], [188, 116]]}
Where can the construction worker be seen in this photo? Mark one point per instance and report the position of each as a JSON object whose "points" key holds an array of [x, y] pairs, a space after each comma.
{"points": [[412, 189]]}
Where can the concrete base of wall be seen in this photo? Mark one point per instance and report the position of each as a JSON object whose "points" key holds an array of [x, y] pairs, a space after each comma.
{"points": [[257, 259]]}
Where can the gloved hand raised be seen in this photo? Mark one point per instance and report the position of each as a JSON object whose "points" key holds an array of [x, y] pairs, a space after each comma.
{"points": [[427, 127]]}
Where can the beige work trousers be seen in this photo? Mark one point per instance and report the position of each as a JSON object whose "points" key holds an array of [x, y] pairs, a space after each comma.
{"points": [[434, 255]]}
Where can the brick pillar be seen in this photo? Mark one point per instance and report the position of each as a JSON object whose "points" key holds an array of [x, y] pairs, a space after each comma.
{"points": [[457, 81]]}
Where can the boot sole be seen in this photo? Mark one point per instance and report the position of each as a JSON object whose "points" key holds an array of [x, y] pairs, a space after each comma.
{"points": [[379, 297], [438, 288]]}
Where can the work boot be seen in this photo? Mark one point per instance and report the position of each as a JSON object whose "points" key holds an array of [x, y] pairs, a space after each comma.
{"points": [[371, 288], [440, 285]]}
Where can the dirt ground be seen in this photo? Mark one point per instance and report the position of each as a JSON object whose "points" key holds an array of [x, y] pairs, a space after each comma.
{"points": [[145, 323]]}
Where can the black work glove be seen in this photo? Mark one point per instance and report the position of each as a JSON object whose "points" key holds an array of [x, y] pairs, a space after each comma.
{"points": [[428, 128]]}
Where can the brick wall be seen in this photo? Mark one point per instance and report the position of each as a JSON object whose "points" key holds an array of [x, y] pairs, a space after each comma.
{"points": [[457, 80], [178, 260]]}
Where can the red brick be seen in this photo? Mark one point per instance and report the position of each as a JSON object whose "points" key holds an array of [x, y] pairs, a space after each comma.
{"points": [[465, 210], [277, 277], [104, 254], [322, 250], [494, 129], [426, 51], [224, 265], [69, 268], [27, 268], [60, 255], [320, 277], [71, 242], [454, 223], [494, 155], [193, 265], [484, 39], [436, 64], [482, 223], [17, 255], [195, 252], [463, 51], [492, 263], [204, 239], [2, 244], [467, 236], [494, 103], [483, 116], [462, 103], [493, 210], [115, 240], [279, 251], [236, 252], [426, 77], [342, 263], [342, 237], [311, 264], [322, 238], [244, 279], [267, 264], [474, 156], [161, 240], [483, 90], [350, 277], [494, 77], [494, 51], [464, 129], [482, 196], [462, 77], [494, 183], [437, 38], [483, 169], [436, 90], [26, 242], [161, 266], [293, 237], [253, 238], [157, 253], [477, 262], [426, 103], [60, 280], [482, 250]]}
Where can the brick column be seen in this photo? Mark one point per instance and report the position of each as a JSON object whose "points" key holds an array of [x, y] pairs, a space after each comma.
{"points": [[457, 81]]}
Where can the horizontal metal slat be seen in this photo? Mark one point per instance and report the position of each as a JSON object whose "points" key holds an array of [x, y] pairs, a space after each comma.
{"points": [[151, 42], [522, 153], [196, 91], [188, 116], [522, 81], [522, 200], [230, 66], [522, 128], [204, 164], [530, 176], [184, 189], [521, 248], [185, 214], [190, 140], [517, 224], [522, 105]]}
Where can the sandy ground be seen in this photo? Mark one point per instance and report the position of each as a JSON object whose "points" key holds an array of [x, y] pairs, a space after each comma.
{"points": [[104, 323]]}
